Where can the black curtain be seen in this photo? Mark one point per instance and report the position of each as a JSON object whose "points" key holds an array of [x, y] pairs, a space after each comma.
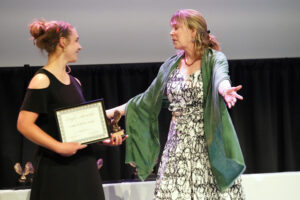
{"points": [[266, 120]]}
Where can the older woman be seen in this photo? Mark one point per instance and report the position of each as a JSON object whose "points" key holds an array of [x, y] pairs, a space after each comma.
{"points": [[202, 158]]}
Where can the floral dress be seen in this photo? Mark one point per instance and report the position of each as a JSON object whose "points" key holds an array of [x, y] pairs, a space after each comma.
{"points": [[185, 172]]}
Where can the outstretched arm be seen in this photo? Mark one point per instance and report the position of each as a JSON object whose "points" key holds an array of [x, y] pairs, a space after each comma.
{"points": [[121, 109], [229, 93]]}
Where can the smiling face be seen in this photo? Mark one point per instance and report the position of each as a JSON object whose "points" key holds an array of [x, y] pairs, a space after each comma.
{"points": [[73, 47], [182, 36]]}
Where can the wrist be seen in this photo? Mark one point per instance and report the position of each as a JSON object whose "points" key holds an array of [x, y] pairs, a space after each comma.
{"points": [[58, 147], [122, 112], [223, 92], [223, 87]]}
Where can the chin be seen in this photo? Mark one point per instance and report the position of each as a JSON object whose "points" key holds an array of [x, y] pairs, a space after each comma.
{"points": [[176, 47], [73, 60]]}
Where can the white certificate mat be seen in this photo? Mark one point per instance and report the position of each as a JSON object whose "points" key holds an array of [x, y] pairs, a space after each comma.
{"points": [[85, 123]]}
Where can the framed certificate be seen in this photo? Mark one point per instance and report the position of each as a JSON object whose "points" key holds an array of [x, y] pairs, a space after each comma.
{"points": [[85, 123]]}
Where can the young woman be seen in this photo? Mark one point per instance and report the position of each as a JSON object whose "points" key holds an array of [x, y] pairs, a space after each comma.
{"points": [[63, 170]]}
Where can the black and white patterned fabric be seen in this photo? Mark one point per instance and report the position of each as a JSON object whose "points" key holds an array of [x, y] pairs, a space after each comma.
{"points": [[184, 172]]}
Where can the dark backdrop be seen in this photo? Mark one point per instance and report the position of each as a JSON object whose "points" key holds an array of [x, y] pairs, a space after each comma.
{"points": [[267, 120]]}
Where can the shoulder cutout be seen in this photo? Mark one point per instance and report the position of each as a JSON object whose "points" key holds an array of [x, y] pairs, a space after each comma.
{"points": [[39, 81]]}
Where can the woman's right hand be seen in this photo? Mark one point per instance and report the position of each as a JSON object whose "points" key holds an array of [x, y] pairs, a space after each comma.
{"points": [[69, 148]]}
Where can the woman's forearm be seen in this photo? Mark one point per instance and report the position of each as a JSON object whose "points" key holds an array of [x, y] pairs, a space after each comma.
{"points": [[32, 132], [223, 86], [121, 109]]}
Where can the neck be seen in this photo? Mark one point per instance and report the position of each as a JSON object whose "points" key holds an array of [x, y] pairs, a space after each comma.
{"points": [[56, 64], [190, 59]]}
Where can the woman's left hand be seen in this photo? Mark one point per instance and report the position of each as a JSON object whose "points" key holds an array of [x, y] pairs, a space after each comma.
{"points": [[230, 95], [114, 140]]}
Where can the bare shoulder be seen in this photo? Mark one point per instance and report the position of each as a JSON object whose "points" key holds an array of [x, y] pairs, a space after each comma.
{"points": [[39, 81]]}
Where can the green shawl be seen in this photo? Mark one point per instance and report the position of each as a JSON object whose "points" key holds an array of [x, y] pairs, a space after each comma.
{"points": [[142, 145]]}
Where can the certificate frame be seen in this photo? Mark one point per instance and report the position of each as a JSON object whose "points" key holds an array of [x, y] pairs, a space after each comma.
{"points": [[85, 123]]}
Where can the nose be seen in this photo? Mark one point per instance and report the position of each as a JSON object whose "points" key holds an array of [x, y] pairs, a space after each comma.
{"points": [[80, 47], [171, 32]]}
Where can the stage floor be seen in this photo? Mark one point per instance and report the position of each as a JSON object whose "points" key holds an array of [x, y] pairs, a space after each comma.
{"points": [[269, 186]]}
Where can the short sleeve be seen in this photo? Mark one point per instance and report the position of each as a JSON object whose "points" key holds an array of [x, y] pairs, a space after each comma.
{"points": [[35, 101]]}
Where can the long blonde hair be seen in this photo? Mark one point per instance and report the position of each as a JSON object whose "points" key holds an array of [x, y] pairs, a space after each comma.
{"points": [[195, 21]]}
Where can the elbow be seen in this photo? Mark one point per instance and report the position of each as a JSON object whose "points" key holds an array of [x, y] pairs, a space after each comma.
{"points": [[21, 124]]}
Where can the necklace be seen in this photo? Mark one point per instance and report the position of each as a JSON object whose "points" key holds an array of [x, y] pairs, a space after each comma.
{"points": [[185, 62]]}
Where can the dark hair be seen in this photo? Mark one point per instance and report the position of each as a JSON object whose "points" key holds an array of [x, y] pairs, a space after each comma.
{"points": [[46, 34], [195, 21]]}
